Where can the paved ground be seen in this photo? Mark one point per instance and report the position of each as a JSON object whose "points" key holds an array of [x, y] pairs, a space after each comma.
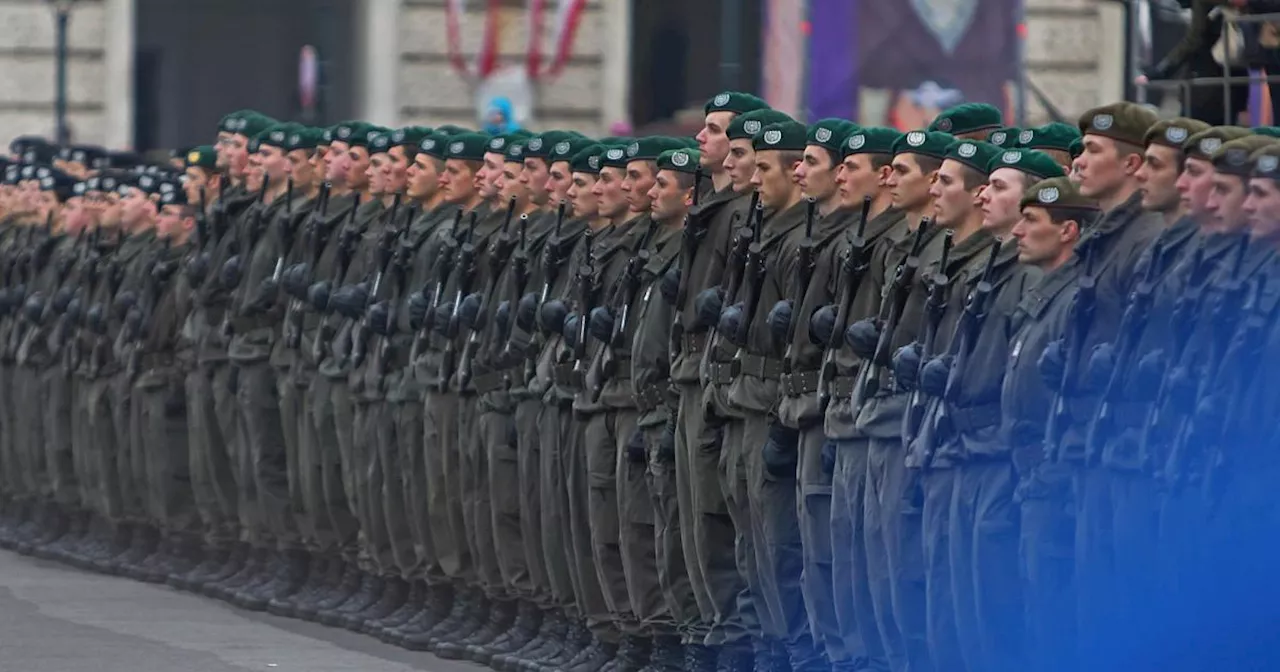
{"points": [[59, 619]]}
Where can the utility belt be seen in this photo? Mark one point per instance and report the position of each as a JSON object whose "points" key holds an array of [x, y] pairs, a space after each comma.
{"points": [[758, 366], [650, 397], [799, 383], [693, 344], [720, 368], [969, 419], [842, 387]]}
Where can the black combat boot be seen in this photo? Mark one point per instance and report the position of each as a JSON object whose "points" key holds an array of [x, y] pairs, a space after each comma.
{"points": [[422, 640], [394, 592], [342, 582], [287, 582], [317, 573], [522, 631], [368, 594], [665, 655], [595, 657], [501, 615], [437, 604], [699, 658], [214, 559], [474, 619], [413, 603], [734, 659], [557, 656]]}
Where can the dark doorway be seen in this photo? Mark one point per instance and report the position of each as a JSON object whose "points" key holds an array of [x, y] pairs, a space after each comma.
{"points": [[199, 59]]}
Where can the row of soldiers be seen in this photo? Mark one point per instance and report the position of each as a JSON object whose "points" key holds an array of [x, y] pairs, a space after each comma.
{"points": [[780, 397]]}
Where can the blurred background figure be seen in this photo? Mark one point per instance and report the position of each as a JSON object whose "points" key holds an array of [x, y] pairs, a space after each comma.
{"points": [[500, 117]]}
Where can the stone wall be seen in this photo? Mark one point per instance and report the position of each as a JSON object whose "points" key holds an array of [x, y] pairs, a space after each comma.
{"points": [[1074, 55]]}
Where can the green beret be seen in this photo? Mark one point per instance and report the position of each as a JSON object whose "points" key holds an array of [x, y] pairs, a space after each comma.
{"points": [[1053, 135], [1033, 162], [681, 160], [1005, 138], [173, 197], [1173, 132], [515, 152], [784, 135], [248, 123], [568, 148], [1266, 162], [467, 146], [343, 131], [409, 136], [204, 156], [734, 101], [925, 143], [498, 143], [975, 154], [831, 133], [434, 144], [650, 148], [380, 143], [1268, 131], [1205, 144], [968, 118], [745, 126], [614, 156], [539, 146], [452, 129], [587, 160], [368, 136], [1056, 193], [1123, 121], [1232, 158], [871, 140], [1076, 148], [303, 137]]}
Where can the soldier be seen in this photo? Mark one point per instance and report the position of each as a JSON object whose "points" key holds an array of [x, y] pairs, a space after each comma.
{"points": [[1053, 215], [1162, 164]]}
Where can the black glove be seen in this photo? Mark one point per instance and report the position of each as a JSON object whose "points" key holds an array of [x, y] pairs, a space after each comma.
{"points": [[636, 453], [163, 270], [862, 337], [527, 311], [350, 301], [231, 271], [730, 322], [265, 295], [296, 279], [601, 324], [669, 285], [906, 366], [782, 451], [440, 321], [1052, 364], [829, 457], [124, 301], [821, 324], [933, 377], [62, 299], [709, 306], [318, 295], [380, 319], [570, 330], [470, 312], [553, 315], [75, 310], [1151, 370], [33, 308], [667, 444], [133, 321], [502, 316], [97, 319], [780, 322], [1102, 361], [198, 268], [417, 307]]}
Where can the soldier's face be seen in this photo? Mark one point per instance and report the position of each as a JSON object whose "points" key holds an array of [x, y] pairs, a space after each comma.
{"points": [[337, 163], [376, 175], [952, 202], [238, 155], [46, 202], [536, 175], [1105, 167], [639, 180], [816, 174], [608, 192], [908, 184], [1224, 207], [458, 181], [488, 176], [740, 164], [669, 201], [319, 161], [858, 178], [174, 221], [1158, 177], [1194, 185], [253, 174], [558, 183], [137, 210], [776, 182], [221, 147], [999, 200], [393, 175], [582, 197], [358, 168], [76, 216], [511, 186], [423, 177], [1041, 242], [301, 169], [193, 181], [712, 141], [1262, 208], [274, 163]]}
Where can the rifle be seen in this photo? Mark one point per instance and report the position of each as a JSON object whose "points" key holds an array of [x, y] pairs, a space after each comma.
{"points": [[255, 230], [934, 308], [691, 239], [202, 222], [386, 250], [147, 310], [895, 302], [346, 246], [623, 295], [586, 295], [550, 256], [498, 257], [315, 237], [466, 268], [1082, 311], [1132, 324], [443, 269], [853, 267], [735, 265], [804, 276], [399, 263], [971, 319], [752, 269], [286, 231], [520, 269]]}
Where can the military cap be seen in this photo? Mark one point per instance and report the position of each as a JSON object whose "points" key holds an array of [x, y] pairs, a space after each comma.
{"points": [[1232, 158], [1123, 121], [1005, 138], [303, 137], [870, 140], [1266, 162], [204, 156], [734, 101], [452, 129], [568, 148], [39, 153], [514, 152], [275, 136], [60, 183], [173, 197], [1054, 135], [498, 143], [351, 132], [152, 184], [784, 135], [19, 145], [246, 122], [1173, 132], [745, 126], [1033, 162], [1268, 131], [925, 143], [1204, 144], [831, 133], [230, 122], [368, 136], [975, 154], [436, 144], [614, 156], [1076, 148], [967, 118], [84, 154], [681, 160], [587, 160], [12, 173], [540, 145], [650, 148], [409, 136], [467, 146], [1056, 193]]}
